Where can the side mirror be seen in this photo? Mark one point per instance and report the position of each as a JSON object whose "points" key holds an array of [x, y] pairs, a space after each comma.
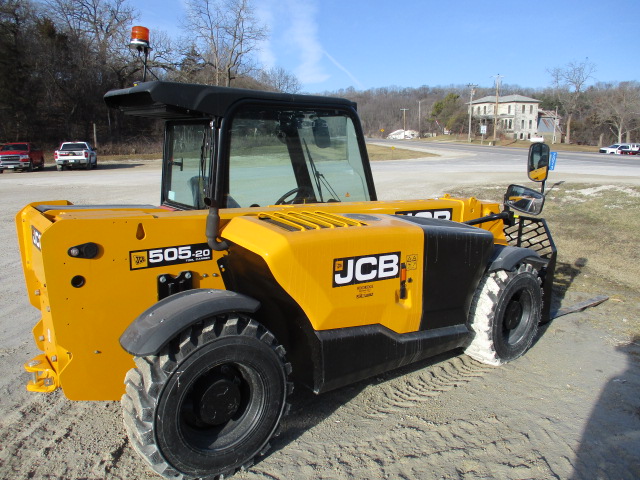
{"points": [[524, 199], [538, 164], [321, 135]]}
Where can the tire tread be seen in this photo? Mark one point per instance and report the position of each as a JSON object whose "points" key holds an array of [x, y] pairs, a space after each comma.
{"points": [[145, 383]]}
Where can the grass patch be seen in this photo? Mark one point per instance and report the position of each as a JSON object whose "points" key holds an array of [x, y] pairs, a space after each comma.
{"points": [[126, 158], [376, 153], [463, 139], [595, 229], [381, 153]]}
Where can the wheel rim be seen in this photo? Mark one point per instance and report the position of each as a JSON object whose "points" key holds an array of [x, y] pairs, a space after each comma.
{"points": [[218, 410], [517, 316], [220, 406]]}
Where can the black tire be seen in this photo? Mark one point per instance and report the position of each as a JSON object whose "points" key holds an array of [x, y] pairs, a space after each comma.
{"points": [[210, 401], [30, 168], [504, 315]]}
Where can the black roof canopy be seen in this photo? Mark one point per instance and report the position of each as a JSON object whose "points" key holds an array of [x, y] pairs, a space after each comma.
{"points": [[179, 100]]}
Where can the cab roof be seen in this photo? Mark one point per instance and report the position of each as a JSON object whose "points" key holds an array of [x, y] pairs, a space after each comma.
{"points": [[172, 100]]}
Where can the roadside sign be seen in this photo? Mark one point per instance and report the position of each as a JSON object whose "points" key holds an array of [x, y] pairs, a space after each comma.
{"points": [[552, 160], [483, 129]]}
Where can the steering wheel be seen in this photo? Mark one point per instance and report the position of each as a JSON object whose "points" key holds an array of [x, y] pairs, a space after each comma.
{"points": [[304, 191]]}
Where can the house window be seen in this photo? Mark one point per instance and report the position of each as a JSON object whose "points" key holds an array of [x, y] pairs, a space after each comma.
{"points": [[523, 107], [485, 110], [530, 123], [522, 125], [531, 109], [509, 110], [510, 125]]}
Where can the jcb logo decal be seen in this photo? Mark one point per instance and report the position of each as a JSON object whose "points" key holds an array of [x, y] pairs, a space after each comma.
{"points": [[139, 259], [443, 214], [365, 269]]}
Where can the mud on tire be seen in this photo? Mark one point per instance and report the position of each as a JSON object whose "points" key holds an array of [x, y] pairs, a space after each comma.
{"points": [[209, 402], [504, 315]]}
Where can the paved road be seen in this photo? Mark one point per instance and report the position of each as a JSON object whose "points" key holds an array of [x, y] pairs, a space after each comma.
{"points": [[497, 158], [456, 165]]}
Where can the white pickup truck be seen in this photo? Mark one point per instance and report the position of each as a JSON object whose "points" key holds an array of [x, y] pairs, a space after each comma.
{"points": [[75, 155]]}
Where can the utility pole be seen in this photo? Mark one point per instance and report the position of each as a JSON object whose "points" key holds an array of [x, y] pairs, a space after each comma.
{"points": [[473, 90], [495, 123], [404, 122], [419, 129]]}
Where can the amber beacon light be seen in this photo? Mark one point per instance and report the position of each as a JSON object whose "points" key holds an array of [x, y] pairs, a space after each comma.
{"points": [[140, 41]]}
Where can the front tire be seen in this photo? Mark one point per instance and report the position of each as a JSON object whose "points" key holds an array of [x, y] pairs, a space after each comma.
{"points": [[209, 402], [504, 315]]}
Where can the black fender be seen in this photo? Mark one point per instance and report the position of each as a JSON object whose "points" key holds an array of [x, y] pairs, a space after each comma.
{"points": [[507, 258], [157, 325]]}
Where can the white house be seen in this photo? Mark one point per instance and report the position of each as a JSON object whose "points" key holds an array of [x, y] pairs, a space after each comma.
{"points": [[517, 115]]}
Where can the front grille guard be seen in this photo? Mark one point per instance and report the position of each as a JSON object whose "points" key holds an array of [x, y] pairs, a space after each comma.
{"points": [[533, 233]]}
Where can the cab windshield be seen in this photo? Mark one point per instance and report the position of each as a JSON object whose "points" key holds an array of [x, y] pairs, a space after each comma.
{"points": [[287, 155], [273, 156]]}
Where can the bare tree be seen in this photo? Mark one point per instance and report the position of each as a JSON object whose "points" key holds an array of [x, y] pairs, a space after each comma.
{"points": [[618, 106], [103, 23], [224, 34], [279, 80], [570, 83]]}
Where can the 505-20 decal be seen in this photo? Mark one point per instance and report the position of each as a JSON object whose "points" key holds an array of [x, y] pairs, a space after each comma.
{"points": [[162, 257]]}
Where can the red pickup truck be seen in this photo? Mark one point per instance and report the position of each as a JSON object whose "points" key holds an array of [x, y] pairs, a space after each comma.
{"points": [[21, 156]]}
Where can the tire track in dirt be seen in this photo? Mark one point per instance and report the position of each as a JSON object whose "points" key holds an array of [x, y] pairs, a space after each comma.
{"points": [[424, 384], [417, 448], [81, 439], [396, 430]]}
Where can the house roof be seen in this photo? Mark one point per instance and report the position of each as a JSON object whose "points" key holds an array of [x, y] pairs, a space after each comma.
{"points": [[506, 99]]}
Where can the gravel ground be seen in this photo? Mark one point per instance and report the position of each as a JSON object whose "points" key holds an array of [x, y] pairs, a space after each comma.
{"points": [[570, 408]]}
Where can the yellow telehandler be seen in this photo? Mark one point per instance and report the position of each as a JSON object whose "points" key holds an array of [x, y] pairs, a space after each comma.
{"points": [[269, 262]]}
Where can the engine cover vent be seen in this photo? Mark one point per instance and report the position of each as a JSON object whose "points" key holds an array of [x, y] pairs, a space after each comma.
{"points": [[303, 220]]}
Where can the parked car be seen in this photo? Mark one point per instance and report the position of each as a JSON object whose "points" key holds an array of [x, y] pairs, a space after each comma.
{"points": [[630, 149], [611, 148], [615, 148], [75, 155], [21, 156]]}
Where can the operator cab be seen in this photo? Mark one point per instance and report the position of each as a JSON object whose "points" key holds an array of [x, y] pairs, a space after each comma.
{"points": [[245, 148]]}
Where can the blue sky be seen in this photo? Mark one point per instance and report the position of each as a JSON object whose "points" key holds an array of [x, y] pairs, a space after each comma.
{"points": [[334, 44]]}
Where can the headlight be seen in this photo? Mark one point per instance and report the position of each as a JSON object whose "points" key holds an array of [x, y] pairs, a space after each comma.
{"points": [[24, 158]]}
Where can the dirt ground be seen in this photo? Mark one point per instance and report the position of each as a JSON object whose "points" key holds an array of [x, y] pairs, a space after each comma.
{"points": [[568, 409]]}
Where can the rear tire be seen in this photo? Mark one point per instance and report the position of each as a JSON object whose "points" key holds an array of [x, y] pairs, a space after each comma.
{"points": [[209, 402], [504, 315]]}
